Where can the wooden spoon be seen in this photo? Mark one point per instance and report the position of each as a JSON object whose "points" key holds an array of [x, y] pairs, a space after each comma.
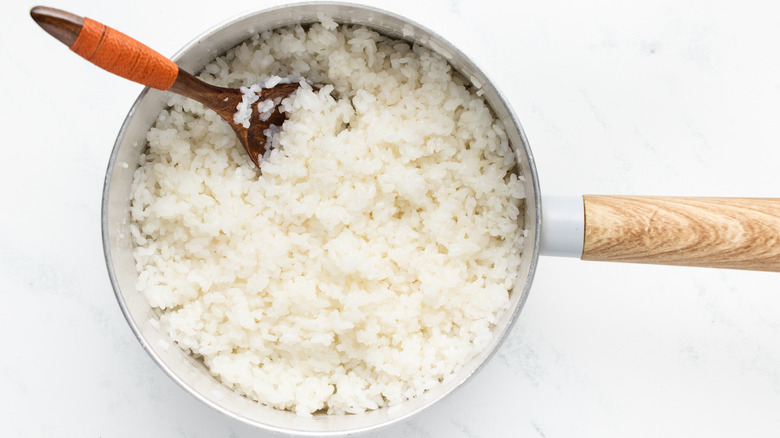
{"points": [[126, 57]]}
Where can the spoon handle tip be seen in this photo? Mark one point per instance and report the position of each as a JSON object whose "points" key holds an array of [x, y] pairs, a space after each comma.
{"points": [[63, 26]]}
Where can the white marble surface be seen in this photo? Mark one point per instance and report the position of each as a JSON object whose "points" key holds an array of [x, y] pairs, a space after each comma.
{"points": [[669, 97]]}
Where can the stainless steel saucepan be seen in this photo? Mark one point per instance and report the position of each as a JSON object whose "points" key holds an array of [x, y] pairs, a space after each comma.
{"points": [[728, 233]]}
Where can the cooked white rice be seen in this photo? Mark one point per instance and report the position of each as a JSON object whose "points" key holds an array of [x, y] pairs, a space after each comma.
{"points": [[251, 94], [368, 260]]}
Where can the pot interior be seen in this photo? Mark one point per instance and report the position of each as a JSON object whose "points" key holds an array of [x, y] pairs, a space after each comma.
{"points": [[191, 373]]}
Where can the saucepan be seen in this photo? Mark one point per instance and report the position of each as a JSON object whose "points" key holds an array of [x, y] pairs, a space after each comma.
{"points": [[715, 232]]}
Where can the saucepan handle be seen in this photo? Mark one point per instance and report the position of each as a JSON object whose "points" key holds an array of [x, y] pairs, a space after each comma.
{"points": [[732, 233]]}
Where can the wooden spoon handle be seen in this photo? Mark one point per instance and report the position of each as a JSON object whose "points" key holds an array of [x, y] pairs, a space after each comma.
{"points": [[108, 48], [734, 233]]}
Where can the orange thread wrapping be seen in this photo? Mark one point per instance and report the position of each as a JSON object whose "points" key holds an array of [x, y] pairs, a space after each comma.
{"points": [[116, 52]]}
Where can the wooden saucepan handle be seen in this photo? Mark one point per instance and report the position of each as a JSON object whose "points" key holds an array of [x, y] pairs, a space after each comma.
{"points": [[107, 48], [734, 233]]}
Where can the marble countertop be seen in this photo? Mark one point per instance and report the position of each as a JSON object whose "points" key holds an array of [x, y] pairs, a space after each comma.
{"points": [[670, 97]]}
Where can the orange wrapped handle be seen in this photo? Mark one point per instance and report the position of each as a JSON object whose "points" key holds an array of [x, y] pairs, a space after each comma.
{"points": [[117, 53]]}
